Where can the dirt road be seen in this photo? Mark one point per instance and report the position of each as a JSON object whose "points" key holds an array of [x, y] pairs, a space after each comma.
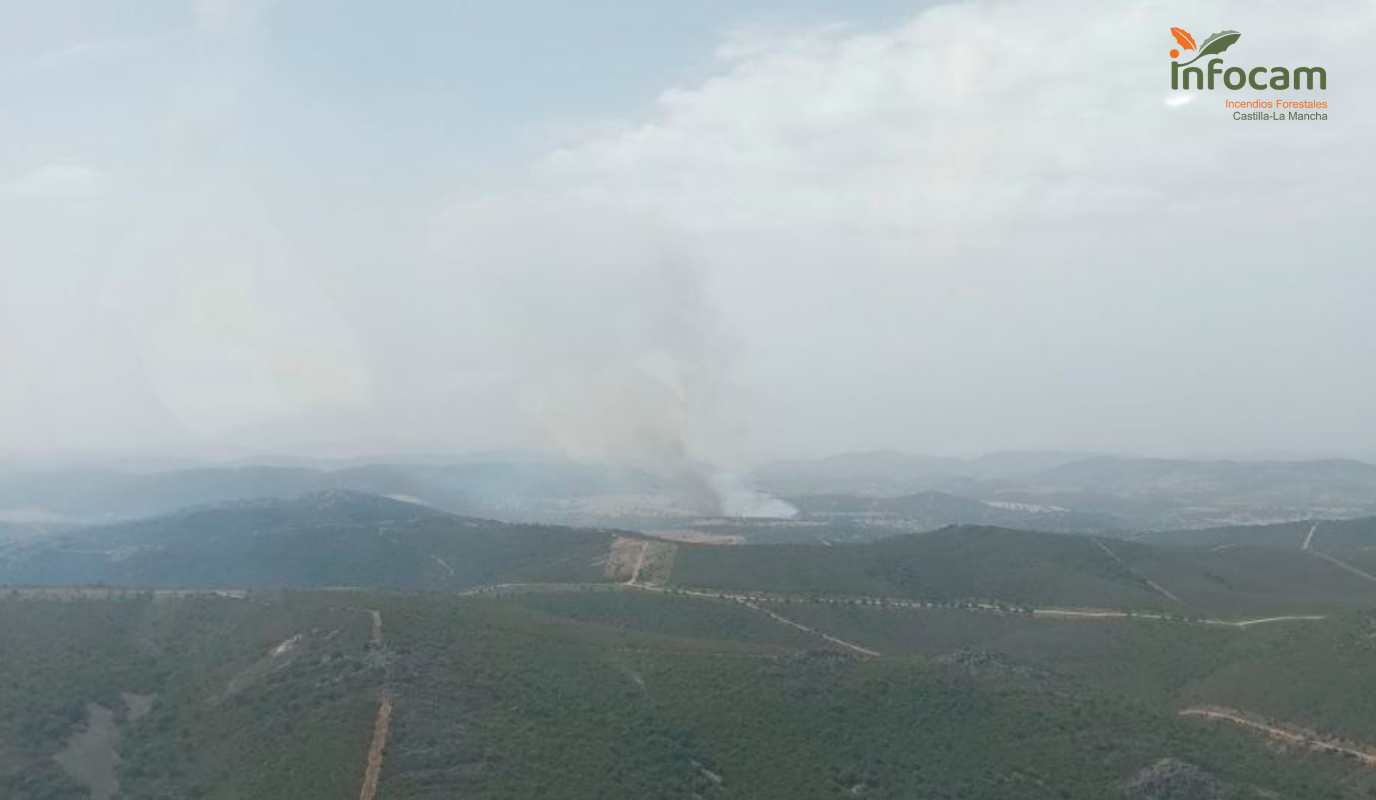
{"points": [[1287, 734], [853, 647], [1343, 565], [896, 603], [373, 771], [1075, 613], [1247, 623], [382, 723], [1155, 587], [639, 563]]}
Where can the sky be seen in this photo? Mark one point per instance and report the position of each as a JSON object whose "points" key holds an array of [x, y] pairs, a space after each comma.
{"points": [[726, 231]]}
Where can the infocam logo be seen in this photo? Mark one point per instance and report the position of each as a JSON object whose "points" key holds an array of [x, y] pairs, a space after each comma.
{"points": [[1208, 76]]}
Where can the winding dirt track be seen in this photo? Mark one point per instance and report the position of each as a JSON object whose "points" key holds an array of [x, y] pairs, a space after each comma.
{"points": [[1286, 733]]}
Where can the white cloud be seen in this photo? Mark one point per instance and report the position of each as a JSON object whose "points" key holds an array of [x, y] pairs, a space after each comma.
{"points": [[218, 16], [58, 181], [970, 113], [982, 229]]}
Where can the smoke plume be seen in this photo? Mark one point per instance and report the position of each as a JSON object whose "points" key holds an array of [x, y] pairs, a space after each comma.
{"points": [[616, 351]]}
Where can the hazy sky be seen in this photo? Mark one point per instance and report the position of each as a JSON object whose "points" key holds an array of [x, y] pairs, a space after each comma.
{"points": [[742, 229]]}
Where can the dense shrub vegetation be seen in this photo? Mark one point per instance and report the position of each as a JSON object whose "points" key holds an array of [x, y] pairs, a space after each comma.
{"points": [[230, 716], [587, 697]]}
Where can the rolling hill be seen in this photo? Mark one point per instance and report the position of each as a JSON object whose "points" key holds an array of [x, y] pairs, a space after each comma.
{"points": [[956, 563], [1338, 534], [92, 495], [606, 664], [319, 539], [1029, 568], [349, 539]]}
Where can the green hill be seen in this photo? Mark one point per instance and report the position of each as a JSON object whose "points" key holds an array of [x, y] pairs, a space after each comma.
{"points": [[1330, 534], [1036, 569], [323, 539], [1247, 580], [957, 563]]}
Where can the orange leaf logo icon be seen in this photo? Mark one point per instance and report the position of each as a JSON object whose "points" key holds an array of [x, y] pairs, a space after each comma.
{"points": [[1183, 36]]}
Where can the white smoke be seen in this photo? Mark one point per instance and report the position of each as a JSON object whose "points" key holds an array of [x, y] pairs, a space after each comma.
{"points": [[615, 348], [738, 499]]}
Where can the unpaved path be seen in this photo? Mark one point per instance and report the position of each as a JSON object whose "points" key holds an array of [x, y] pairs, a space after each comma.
{"points": [[380, 728], [752, 602], [852, 646], [639, 563], [1308, 546], [1288, 734], [381, 724], [376, 637], [1246, 623], [1155, 587], [654, 563], [1345, 566], [1087, 613], [891, 603], [624, 560]]}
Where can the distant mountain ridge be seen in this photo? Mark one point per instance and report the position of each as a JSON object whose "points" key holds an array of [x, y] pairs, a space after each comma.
{"points": [[333, 538], [1123, 492], [931, 510], [338, 539], [474, 487], [1040, 490]]}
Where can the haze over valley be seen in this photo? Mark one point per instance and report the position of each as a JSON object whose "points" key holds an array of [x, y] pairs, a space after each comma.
{"points": [[749, 400]]}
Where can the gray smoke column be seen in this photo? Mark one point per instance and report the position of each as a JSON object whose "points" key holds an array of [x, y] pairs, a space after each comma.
{"points": [[613, 345]]}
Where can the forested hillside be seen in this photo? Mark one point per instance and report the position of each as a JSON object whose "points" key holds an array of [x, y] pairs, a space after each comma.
{"points": [[324, 539]]}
